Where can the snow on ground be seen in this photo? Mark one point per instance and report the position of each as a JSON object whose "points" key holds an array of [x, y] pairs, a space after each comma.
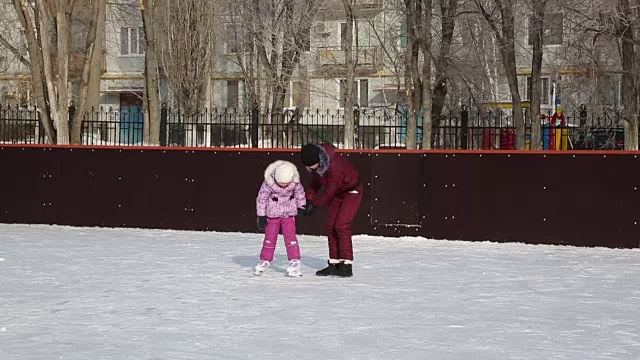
{"points": [[88, 293]]}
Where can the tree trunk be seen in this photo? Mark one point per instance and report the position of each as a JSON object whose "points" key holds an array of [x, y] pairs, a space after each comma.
{"points": [[509, 61], [277, 116], [38, 81], [629, 95], [413, 91], [426, 45], [76, 124], [349, 126], [151, 95], [518, 116], [505, 36], [448, 9], [93, 94], [44, 50], [63, 27], [537, 25], [290, 58], [636, 37], [250, 70], [418, 78]]}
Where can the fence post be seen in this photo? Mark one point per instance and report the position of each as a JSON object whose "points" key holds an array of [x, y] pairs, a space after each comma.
{"points": [[254, 126], [583, 114], [464, 127], [163, 124]]}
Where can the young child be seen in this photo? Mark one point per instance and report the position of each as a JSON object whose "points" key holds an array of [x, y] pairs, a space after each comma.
{"points": [[278, 201]]}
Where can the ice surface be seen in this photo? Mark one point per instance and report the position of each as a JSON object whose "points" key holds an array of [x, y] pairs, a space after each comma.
{"points": [[87, 293]]}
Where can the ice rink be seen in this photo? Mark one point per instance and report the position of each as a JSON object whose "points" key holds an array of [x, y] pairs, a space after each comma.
{"points": [[89, 293]]}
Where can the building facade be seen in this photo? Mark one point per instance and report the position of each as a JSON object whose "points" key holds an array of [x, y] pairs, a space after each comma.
{"points": [[576, 70]]}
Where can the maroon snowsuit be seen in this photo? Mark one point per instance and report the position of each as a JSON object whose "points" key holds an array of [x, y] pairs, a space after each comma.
{"points": [[343, 195]]}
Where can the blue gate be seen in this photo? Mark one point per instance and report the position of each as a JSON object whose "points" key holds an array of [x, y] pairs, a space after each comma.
{"points": [[402, 125], [131, 124]]}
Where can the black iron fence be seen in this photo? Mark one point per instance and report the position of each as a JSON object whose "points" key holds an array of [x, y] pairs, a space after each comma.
{"points": [[374, 129]]}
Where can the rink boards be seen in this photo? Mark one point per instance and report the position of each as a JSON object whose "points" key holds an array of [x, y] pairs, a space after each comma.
{"points": [[568, 198]]}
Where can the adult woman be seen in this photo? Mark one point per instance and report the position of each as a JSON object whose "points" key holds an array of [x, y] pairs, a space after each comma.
{"points": [[342, 194]]}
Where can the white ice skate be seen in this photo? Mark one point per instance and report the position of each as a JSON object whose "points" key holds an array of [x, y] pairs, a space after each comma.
{"points": [[262, 266], [294, 269]]}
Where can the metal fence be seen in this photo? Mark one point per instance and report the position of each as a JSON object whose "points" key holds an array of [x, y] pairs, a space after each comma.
{"points": [[374, 129]]}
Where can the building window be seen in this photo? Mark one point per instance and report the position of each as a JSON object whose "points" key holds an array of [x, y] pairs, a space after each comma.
{"points": [[551, 32], [609, 87], [545, 96], [360, 93], [363, 98], [231, 41], [232, 94], [132, 41], [18, 94], [298, 95], [403, 34]]}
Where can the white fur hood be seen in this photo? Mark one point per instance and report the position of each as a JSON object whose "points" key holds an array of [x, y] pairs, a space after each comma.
{"points": [[271, 170]]}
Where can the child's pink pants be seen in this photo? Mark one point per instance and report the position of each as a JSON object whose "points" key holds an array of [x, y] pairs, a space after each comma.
{"points": [[271, 237]]}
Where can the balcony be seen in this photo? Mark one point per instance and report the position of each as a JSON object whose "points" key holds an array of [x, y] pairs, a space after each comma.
{"points": [[334, 9], [366, 59]]}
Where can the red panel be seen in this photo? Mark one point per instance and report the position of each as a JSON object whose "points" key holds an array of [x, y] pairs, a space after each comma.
{"points": [[588, 198]]}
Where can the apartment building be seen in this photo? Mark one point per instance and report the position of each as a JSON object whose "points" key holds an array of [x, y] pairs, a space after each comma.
{"points": [[569, 75], [319, 81], [579, 66]]}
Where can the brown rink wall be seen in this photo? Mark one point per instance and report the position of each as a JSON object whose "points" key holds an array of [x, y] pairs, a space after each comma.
{"points": [[565, 198]]}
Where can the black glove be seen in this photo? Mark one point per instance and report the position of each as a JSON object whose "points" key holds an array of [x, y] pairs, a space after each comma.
{"points": [[309, 209], [262, 222]]}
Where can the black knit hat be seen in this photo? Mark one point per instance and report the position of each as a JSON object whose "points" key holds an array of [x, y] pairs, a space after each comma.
{"points": [[310, 154]]}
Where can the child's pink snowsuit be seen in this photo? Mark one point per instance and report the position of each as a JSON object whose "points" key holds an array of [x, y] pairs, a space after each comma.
{"points": [[280, 206]]}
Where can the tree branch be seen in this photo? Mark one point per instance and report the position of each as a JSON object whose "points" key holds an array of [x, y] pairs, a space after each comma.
{"points": [[490, 21], [14, 51]]}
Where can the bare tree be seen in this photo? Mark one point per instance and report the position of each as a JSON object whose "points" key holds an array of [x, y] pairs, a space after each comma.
{"points": [[590, 47], [151, 77], [93, 91], [249, 61], [349, 125], [427, 93], [418, 70], [611, 26], [503, 27], [280, 32], [98, 8], [442, 61], [537, 32], [187, 32], [274, 35], [625, 24], [47, 27], [62, 10], [387, 35], [36, 64], [479, 59], [243, 36]]}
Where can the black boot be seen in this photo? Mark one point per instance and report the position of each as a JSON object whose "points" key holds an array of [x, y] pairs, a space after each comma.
{"points": [[344, 270], [328, 271]]}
